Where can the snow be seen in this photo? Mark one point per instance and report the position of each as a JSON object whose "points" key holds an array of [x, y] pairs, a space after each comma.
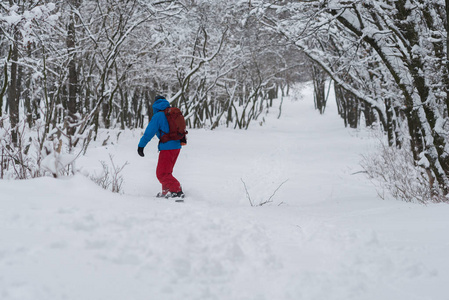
{"points": [[325, 236], [55, 162], [12, 19]]}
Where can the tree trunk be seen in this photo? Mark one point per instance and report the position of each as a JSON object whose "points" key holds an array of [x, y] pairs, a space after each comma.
{"points": [[319, 88], [27, 97], [5, 82], [389, 128], [73, 74], [447, 53], [13, 92]]}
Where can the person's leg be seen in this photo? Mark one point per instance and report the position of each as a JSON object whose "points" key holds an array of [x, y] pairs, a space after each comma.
{"points": [[164, 170]]}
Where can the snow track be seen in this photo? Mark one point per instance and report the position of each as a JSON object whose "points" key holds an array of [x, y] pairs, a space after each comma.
{"points": [[325, 236]]}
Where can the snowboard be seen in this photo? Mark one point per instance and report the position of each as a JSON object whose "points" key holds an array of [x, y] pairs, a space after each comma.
{"points": [[176, 199]]}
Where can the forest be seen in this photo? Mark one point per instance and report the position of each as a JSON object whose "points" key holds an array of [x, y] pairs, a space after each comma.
{"points": [[71, 68]]}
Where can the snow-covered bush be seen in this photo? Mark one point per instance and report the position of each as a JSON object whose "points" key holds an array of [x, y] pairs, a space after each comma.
{"points": [[36, 153], [54, 160], [394, 170], [14, 161], [39, 154], [110, 177]]}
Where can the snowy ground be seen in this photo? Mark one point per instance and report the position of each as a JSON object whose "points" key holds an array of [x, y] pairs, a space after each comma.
{"points": [[325, 236]]}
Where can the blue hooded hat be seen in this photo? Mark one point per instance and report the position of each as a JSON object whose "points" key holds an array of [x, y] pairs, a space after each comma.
{"points": [[160, 103]]}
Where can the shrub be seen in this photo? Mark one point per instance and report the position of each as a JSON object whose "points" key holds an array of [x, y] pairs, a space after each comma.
{"points": [[394, 170]]}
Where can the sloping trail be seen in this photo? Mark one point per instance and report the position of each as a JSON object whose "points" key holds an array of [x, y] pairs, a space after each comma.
{"points": [[325, 236]]}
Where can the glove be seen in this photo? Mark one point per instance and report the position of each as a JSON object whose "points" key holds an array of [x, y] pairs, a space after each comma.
{"points": [[140, 151]]}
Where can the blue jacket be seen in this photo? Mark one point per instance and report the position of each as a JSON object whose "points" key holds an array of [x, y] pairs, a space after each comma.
{"points": [[157, 125]]}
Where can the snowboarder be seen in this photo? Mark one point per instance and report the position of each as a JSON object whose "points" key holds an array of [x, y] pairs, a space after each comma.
{"points": [[168, 151]]}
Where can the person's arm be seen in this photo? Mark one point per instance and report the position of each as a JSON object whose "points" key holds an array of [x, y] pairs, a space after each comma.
{"points": [[150, 131]]}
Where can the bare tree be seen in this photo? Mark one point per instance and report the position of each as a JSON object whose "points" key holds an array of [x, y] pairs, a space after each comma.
{"points": [[373, 49]]}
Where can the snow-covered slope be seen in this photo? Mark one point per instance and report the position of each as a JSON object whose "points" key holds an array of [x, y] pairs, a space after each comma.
{"points": [[326, 235]]}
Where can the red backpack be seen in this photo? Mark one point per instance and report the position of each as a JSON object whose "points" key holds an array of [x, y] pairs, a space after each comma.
{"points": [[177, 125]]}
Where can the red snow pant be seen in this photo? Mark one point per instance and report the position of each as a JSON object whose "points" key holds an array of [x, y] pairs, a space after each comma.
{"points": [[164, 170]]}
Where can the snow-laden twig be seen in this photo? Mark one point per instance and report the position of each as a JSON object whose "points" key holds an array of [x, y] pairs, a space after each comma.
{"points": [[274, 193], [262, 202], [247, 193]]}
